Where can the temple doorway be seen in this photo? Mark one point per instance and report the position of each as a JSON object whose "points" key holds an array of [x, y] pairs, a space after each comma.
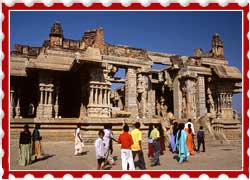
{"points": [[70, 95]]}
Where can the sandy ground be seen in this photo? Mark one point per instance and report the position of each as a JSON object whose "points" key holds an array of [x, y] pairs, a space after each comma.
{"points": [[59, 156]]}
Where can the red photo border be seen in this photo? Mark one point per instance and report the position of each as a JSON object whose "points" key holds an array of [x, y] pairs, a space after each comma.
{"points": [[118, 6]]}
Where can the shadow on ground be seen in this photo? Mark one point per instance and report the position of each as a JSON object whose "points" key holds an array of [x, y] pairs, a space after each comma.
{"points": [[45, 157]]}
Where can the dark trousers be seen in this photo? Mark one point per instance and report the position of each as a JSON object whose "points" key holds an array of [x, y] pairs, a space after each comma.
{"points": [[201, 141], [140, 163], [157, 151]]}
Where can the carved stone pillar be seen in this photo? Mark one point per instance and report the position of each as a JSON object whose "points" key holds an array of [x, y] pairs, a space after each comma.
{"points": [[109, 92], [40, 107], [188, 86], [46, 96], [177, 98], [17, 108], [151, 103], [189, 103], [56, 106], [191, 98], [91, 95], [96, 95], [201, 105], [12, 103], [100, 96], [50, 96], [105, 97], [49, 103], [41, 95], [130, 92]]}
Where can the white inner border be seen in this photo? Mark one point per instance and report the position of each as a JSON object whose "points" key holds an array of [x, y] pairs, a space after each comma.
{"points": [[106, 171]]}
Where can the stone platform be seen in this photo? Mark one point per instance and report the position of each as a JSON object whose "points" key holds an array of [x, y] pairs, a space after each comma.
{"points": [[63, 129]]}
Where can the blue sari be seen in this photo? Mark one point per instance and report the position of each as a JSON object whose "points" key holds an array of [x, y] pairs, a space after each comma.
{"points": [[172, 142], [182, 146]]}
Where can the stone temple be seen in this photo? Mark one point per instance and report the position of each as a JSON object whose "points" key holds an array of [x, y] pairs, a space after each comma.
{"points": [[65, 82]]}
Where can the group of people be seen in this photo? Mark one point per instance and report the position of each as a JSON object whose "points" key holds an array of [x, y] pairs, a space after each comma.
{"points": [[130, 147], [182, 140], [29, 145]]}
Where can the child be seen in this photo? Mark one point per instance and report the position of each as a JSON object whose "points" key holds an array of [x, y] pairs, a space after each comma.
{"points": [[200, 138], [126, 141], [99, 149]]}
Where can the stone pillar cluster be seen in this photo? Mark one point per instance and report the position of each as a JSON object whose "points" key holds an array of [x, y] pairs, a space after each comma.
{"points": [[99, 99], [15, 110], [44, 109], [99, 95], [224, 104]]}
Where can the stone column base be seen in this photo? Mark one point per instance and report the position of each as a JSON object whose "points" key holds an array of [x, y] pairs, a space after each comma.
{"points": [[48, 113], [232, 129], [39, 111], [99, 111]]}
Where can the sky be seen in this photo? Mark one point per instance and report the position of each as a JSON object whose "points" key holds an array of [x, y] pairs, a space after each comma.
{"points": [[172, 32]]}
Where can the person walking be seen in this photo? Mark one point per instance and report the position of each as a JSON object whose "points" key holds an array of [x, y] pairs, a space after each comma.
{"points": [[192, 127], [150, 143], [107, 137], [36, 138], [155, 135], [111, 139], [181, 145], [79, 145], [99, 149], [25, 147], [162, 139], [201, 139], [190, 144], [137, 147], [126, 141], [174, 131]]}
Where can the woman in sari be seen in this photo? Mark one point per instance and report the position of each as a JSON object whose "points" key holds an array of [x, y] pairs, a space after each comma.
{"points": [[174, 131], [190, 144], [37, 148], [181, 139], [78, 141], [25, 147]]}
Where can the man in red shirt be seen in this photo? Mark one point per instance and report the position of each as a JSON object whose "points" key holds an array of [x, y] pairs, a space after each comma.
{"points": [[126, 141]]}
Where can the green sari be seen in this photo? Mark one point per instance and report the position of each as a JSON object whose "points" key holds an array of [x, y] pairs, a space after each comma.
{"points": [[25, 154]]}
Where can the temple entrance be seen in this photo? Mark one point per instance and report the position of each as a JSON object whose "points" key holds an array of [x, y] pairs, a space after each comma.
{"points": [[70, 95]]}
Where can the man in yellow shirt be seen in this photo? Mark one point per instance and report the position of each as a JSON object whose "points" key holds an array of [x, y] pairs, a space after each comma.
{"points": [[137, 147], [155, 135]]}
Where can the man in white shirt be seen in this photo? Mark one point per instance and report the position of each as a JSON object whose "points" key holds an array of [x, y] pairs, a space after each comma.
{"points": [[106, 138], [99, 149]]}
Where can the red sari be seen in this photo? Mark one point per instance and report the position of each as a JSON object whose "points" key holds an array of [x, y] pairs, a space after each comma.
{"points": [[150, 150], [189, 142]]}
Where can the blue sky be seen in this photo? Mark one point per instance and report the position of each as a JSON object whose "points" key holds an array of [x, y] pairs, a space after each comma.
{"points": [[166, 31]]}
